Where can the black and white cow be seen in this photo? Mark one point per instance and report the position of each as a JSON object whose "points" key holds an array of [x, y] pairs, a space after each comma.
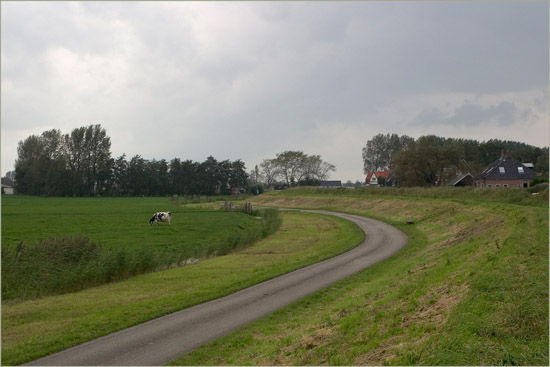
{"points": [[161, 217]]}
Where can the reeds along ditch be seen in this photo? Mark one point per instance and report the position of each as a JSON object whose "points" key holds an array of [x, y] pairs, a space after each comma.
{"points": [[65, 264]]}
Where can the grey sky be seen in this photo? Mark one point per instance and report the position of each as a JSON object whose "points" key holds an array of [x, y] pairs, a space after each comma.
{"points": [[247, 80]]}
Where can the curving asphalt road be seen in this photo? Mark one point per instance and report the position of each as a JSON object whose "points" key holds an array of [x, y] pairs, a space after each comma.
{"points": [[161, 340]]}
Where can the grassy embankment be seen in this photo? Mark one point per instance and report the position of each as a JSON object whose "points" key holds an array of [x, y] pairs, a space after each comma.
{"points": [[470, 288], [34, 328]]}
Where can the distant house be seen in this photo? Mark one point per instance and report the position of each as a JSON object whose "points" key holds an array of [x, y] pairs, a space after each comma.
{"points": [[330, 184], [464, 179], [7, 190], [374, 178], [505, 172], [7, 186]]}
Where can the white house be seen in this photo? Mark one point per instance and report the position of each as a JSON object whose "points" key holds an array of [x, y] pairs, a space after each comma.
{"points": [[7, 190]]}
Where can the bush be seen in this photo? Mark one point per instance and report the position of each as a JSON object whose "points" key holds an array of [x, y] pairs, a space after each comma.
{"points": [[272, 222], [256, 189], [539, 187], [52, 265], [539, 180]]}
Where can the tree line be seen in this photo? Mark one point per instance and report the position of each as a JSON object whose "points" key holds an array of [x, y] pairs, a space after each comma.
{"points": [[432, 160], [292, 168], [80, 164]]}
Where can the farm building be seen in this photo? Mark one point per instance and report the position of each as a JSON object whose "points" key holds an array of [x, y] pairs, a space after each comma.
{"points": [[380, 178], [8, 186], [7, 190], [506, 172], [464, 179], [330, 184]]}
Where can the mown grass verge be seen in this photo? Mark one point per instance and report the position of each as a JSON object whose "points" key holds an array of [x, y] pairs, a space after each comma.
{"points": [[470, 288], [35, 328]]}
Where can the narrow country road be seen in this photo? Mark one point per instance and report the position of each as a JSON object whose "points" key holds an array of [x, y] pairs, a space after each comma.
{"points": [[159, 341]]}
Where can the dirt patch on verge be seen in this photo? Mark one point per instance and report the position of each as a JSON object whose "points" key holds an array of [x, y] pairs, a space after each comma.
{"points": [[472, 231], [436, 304], [432, 314]]}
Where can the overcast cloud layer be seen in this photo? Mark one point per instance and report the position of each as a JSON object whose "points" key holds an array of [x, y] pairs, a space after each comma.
{"points": [[247, 80]]}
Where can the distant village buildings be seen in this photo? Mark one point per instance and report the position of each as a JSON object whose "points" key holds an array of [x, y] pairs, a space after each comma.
{"points": [[503, 173]]}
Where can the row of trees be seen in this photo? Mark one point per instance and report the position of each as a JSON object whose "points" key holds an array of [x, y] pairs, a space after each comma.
{"points": [[55, 164], [141, 177], [431, 160], [292, 168], [80, 164]]}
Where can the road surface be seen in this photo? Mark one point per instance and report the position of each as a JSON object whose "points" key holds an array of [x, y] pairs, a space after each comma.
{"points": [[161, 340]]}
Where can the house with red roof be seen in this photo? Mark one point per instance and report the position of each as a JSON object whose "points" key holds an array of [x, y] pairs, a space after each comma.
{"points": [[375, 178]]}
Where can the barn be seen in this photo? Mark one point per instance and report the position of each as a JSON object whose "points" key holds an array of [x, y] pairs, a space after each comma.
{"points": [[464, 179], [330, 184]]}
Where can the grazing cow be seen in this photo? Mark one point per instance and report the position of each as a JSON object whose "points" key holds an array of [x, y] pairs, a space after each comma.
{"points": [[161, 217]]}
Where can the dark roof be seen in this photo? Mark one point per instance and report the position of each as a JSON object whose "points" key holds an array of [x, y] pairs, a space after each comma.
{"points": [[467, 177], [507, 168], [330, 183], [7, 182]]}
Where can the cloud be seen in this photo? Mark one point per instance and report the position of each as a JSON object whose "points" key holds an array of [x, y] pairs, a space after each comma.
{"points": [[504, 114], [471, 114], [191, 79]]}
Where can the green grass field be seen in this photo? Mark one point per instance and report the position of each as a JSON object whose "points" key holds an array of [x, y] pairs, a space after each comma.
{"points": [[34, 328], [97, 240], [114, 222], [470, 288]]}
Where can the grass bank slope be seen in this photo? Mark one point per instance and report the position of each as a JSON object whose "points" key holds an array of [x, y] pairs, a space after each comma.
{"points": [[470, 288], [535, 196]]}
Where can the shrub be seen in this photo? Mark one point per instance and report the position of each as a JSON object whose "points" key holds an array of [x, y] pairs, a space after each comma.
{"points": [[256, 189], [539, 187], [53, 265], [272, 221], [539, 180]]}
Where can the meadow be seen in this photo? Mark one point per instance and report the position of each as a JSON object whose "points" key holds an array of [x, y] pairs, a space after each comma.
{"points": [[58, 245], [470, 287]]}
